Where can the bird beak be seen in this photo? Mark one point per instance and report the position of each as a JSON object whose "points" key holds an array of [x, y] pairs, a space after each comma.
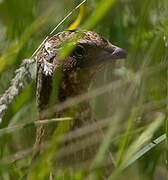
{"points": [[112, 53], [115, 52], [119, 53]]}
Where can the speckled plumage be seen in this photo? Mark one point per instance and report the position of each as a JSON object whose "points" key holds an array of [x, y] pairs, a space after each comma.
{"points": [[52, 46], [78, 69], [47, 60]]}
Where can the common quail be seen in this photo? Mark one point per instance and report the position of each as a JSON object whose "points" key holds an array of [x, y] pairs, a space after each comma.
{"points": [[91, 54]]}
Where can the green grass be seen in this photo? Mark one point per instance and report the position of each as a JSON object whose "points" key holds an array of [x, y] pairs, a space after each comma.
{"points": [[129, 138]]}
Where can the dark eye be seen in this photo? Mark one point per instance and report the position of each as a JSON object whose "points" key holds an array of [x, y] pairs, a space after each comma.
{"points": [[79, 51]]}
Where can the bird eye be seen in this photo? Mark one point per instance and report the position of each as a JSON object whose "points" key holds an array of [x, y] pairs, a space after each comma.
{"points": [[79, 51]]}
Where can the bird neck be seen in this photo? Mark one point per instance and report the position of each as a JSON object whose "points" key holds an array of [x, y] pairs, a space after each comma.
{"points": [[74, 83]]}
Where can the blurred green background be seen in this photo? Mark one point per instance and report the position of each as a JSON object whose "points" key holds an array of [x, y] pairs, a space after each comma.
{"points": [[140, 27]]}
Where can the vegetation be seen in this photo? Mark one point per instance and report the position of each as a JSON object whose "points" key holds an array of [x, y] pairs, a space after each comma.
{"points": [[132, 126]]}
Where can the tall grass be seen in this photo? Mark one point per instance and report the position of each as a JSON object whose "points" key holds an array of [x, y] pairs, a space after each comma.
{"points": [[128, 99]]}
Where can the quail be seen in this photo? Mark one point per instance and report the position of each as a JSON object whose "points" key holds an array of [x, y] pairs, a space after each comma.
{"points": [[91, 54]]}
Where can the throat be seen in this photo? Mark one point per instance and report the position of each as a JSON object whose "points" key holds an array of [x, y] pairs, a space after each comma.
{"points": [[74, 83]]}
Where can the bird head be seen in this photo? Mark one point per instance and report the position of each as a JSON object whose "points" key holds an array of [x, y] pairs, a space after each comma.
{"points": [[91, 54]]}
